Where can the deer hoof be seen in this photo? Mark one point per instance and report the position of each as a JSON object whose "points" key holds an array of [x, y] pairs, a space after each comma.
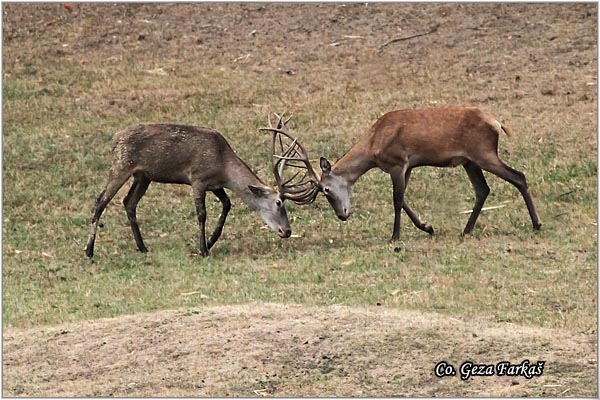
{"points": [[89, 253], [466, 232], [537, 227], [397, 249], [429, 229]]}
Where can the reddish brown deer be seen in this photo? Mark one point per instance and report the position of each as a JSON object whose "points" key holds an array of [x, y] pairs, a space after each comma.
{"points": [[190, 155], [402, 140]]}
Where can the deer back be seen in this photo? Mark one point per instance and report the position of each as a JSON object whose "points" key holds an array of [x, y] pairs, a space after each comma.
{"points": [[439, 136], [171, 153]]}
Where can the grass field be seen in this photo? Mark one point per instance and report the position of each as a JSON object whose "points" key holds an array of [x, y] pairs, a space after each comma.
{"points": [[74, 78]]}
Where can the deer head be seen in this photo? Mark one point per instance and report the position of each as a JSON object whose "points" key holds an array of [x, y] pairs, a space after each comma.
{"points": [[269, 205]]}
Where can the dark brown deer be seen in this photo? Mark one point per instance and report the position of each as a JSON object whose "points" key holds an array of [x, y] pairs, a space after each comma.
{"points": [[190, 155], [402, 140]]}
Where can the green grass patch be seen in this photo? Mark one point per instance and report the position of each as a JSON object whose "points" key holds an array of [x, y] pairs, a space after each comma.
{"points": [[57, 127]]}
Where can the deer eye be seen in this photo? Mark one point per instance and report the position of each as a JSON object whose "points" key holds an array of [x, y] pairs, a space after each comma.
{"points": [[326, 190], [278, 203]]}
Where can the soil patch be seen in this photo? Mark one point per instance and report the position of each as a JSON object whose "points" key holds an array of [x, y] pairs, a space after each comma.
{"points": [[286, 350]]}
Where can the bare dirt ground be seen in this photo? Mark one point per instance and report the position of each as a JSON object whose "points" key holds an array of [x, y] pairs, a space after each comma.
{"points": [[279, 350], [276, 350], [324, 46]]}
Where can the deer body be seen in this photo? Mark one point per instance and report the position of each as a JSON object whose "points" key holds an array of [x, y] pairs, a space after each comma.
{"points": [[190, 155], [441, 137]]}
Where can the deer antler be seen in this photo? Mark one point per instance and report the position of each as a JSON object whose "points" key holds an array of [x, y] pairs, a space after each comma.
{"points": [[285, 154]]}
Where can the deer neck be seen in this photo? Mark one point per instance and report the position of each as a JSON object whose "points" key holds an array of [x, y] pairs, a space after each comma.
{"points": [[239, 177], [354, 163]]}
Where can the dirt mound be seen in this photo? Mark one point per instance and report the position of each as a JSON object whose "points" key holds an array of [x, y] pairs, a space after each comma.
{"points": [[268, 349]]}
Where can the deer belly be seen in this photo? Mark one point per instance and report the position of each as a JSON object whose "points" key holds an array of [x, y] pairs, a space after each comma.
{"points": [[169, 177], [452, 162], [177, 180], [443, 162]]}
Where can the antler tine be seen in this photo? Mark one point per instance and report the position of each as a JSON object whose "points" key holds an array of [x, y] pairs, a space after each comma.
{"points": [[293, 188], [271, 127], [279, 119], [285, 155], [274, 163], [303, 154], [287, 120], [280, 123], [307, 197], [304, 190], [283, 132], [290, 190], [300, 193], [292, 178]]}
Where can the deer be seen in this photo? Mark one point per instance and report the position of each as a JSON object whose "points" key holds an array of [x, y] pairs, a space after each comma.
{"points": [[401, 140], [183, 154]]}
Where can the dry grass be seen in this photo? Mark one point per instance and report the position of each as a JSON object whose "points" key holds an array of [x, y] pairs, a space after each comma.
{"points": [[274, 350], [72, 79]]}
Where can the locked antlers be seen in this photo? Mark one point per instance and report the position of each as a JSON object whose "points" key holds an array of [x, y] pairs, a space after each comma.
{"points": [[288, 152]]}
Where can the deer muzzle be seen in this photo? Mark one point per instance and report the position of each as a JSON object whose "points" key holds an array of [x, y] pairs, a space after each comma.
{"points": [[344, 215], [284, 233]]}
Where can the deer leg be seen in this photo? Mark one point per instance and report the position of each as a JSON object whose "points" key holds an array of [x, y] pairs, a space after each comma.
{"points": [[113, 186], [413, 217], [481, 192], [138, 189], [222, 196], [398, 183], [199, 200], [516, 178]]}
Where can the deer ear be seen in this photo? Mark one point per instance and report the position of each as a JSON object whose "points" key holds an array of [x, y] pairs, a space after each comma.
{"points": [[262, 192], [325, 166]]}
